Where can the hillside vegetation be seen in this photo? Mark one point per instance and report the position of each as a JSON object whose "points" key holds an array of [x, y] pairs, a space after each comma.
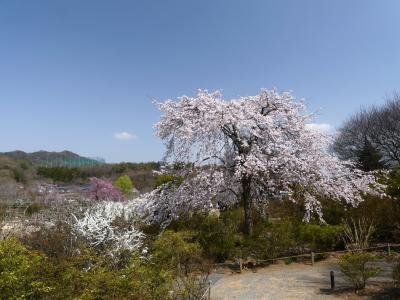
{"points": [[271, 192]]}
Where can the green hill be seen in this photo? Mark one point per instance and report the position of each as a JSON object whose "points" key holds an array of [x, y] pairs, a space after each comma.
{"points": [[53, 159]]}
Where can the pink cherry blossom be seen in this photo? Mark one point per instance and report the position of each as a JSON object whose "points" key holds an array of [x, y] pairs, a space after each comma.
{"points": [[101, 189], [248, 149]]}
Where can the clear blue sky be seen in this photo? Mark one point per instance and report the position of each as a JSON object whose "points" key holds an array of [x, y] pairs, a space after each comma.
{"points": [[75, 73]]}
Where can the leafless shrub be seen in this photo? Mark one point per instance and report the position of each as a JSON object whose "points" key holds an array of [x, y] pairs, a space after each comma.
{"points": [[194, 284], [357, 233]]}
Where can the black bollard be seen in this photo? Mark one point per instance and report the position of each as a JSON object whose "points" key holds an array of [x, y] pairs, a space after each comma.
{"points": [[332, 280]]}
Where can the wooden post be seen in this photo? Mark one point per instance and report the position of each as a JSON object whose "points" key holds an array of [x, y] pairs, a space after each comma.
{"points": [[312, 258], [209, 289], [332, 280], [240, 265], [388, 248]]}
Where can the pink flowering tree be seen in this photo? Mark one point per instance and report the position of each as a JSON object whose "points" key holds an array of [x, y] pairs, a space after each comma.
{"points": [[248, 150], [103, 190]]}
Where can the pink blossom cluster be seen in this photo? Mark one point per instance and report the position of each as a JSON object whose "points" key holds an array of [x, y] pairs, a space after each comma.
{"points": [[104, 190]]}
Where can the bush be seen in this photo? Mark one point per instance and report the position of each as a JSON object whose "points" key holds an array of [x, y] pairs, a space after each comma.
{"points": [[178, 252], [24, 165], [124, 183], [270, 240], [218, 234], [320, 237], [21, 272], [139, 280], [19, 176], [26, 274], [174, 270], [166, 178], [385, 214], [56, 242], [90, 276], [354, 266]]}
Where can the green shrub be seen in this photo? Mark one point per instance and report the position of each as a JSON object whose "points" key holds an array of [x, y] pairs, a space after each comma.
{"points": [[56, 242], [24, 165], [385, 213], [166, 178], [90, 276], [19, 176], [140, 280], [125, 184], [177, 251], [21, 272], [354, 266], [319, 237], [180, 254], [175, 265], [218, 234], [270, 240]]}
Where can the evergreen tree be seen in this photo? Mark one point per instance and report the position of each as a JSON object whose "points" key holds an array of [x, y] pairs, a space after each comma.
{"points": [[369, 158]]}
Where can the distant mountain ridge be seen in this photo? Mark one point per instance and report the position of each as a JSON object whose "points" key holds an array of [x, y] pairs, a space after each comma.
{"points": [[46, 158]]}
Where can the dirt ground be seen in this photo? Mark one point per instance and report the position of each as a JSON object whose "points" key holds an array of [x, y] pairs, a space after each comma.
{"points": [[299, 281]]}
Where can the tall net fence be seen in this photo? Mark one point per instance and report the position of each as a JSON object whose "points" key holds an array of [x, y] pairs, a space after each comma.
{"points": [[70, 162]]}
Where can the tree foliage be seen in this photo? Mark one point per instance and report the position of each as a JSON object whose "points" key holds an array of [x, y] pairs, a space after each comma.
{"points": [[124, 183], [21, 272], [61, 174], [162, 179], [104, 190]]}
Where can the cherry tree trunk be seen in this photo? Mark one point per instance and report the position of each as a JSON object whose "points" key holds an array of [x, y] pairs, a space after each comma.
{"points": [[248, 205]]}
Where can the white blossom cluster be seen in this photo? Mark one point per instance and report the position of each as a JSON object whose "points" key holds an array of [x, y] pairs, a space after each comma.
{"points": [[111, 225], [264, 139], [169, 201]]}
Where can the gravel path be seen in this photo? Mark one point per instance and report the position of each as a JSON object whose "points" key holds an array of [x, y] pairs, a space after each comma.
{"points": [[294, 281]]}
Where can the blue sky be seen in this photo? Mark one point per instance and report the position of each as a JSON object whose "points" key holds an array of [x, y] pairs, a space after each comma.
{"points": [[73, 74]]}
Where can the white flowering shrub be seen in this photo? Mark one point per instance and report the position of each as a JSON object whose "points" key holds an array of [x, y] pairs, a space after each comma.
{"points": [[110, 225]]}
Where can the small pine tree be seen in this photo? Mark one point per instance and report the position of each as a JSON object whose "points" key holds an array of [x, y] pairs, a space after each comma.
{"points": [[369, 158]]}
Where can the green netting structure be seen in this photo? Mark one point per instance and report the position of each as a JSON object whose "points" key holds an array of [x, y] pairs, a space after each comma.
{"points": [[70, 162]]}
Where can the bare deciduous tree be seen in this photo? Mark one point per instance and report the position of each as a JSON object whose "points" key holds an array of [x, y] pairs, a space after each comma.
{"points": [[378, 127]]}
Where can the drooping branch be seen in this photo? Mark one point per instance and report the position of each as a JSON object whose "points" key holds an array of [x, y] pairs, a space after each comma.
{"points": [[268, 149]]}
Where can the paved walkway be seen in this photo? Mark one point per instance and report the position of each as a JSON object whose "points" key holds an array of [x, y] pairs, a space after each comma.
{"points": [[294, 281]]}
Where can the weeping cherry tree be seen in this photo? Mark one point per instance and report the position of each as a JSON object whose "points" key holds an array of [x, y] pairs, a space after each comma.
{"points": [[248, 150]]}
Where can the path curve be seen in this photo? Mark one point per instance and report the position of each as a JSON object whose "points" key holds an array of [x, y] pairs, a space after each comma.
{"points": [[294, 281]]}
